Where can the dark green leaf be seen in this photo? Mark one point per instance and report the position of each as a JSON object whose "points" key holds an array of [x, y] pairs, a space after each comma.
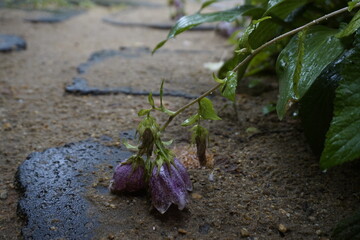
{"points": [[343, 139], [321, 48], [206, 110], [348, 228], [316, 106], [353, 25], [191, 120], [228, 88], [299, 61], [188, 22], [278, 10]]}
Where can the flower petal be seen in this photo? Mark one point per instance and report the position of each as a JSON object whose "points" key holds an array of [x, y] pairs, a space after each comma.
{"points": [[159, 190], [184, 174], [126, 178]]}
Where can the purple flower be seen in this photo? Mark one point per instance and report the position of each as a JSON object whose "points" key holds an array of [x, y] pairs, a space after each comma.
{"points": [[127, 178], [169, 184]]}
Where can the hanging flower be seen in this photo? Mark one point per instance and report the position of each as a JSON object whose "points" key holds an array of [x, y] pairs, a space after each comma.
{"points": [[169, 184], [128, 177]]}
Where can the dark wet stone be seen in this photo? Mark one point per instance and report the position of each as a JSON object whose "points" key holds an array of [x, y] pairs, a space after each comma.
{"points": [[53, 185], [10, 43], [80, 86], [106, 54], [55, 17]]}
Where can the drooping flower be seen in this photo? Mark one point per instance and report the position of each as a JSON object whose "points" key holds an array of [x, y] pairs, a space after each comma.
{"points": [[169, 184], [128, 177]]}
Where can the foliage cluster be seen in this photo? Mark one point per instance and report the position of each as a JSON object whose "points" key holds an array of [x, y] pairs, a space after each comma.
{"points": [[316, 44]]}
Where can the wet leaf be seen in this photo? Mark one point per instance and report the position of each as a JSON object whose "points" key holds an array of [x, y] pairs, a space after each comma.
{"points": [[316, 106], [188, 22], [228, 88], [343, 138], [278, 10], [206, 110], [191, 120], [321, 48]]}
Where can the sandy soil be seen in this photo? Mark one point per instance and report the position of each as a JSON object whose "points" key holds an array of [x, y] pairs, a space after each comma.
{"points": [[264, 185]]}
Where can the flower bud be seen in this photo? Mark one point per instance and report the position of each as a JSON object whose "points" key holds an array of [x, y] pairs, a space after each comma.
{"points": [[127, 178]]}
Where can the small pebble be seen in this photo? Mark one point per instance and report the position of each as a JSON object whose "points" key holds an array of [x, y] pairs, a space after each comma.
{"points": [[244, 233], [111, 237], [318, 232], [182, 231], [282, 228], [196, 196], [312, 218], [3, 195]]}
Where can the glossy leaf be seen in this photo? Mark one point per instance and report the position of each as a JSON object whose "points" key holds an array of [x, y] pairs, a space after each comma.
{"points": [[353, 25], [228, 88], [343, 139], [278, 10], [206, 110], [191, 120], [321, 48], [316, 106], [188, 22]]}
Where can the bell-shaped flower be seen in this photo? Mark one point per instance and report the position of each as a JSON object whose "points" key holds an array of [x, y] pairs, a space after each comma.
{"points": [[169, 183], [128, 177]]}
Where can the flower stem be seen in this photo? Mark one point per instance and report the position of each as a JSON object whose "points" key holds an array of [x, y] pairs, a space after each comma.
{"points": [[253, 54]]}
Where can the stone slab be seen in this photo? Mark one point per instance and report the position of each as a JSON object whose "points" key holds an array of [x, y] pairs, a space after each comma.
{"points": [[10, 43], [53, 186]]}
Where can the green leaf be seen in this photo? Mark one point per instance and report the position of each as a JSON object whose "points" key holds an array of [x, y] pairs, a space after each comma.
{"points": [[167, 143], [348, 228], [228, 88], [353, 25], [130, 146], [316, 106], [268, 108], [299, 62], [343, 138], [352, 4], [143, 112], [218, 80], [191, 120], [206, 110], [151, 100], [188, 22], [321, 48], [206, 4], [278, 10]]}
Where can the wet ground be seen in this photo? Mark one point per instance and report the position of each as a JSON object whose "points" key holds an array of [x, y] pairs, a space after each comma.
{"points": [[265, 184]]}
